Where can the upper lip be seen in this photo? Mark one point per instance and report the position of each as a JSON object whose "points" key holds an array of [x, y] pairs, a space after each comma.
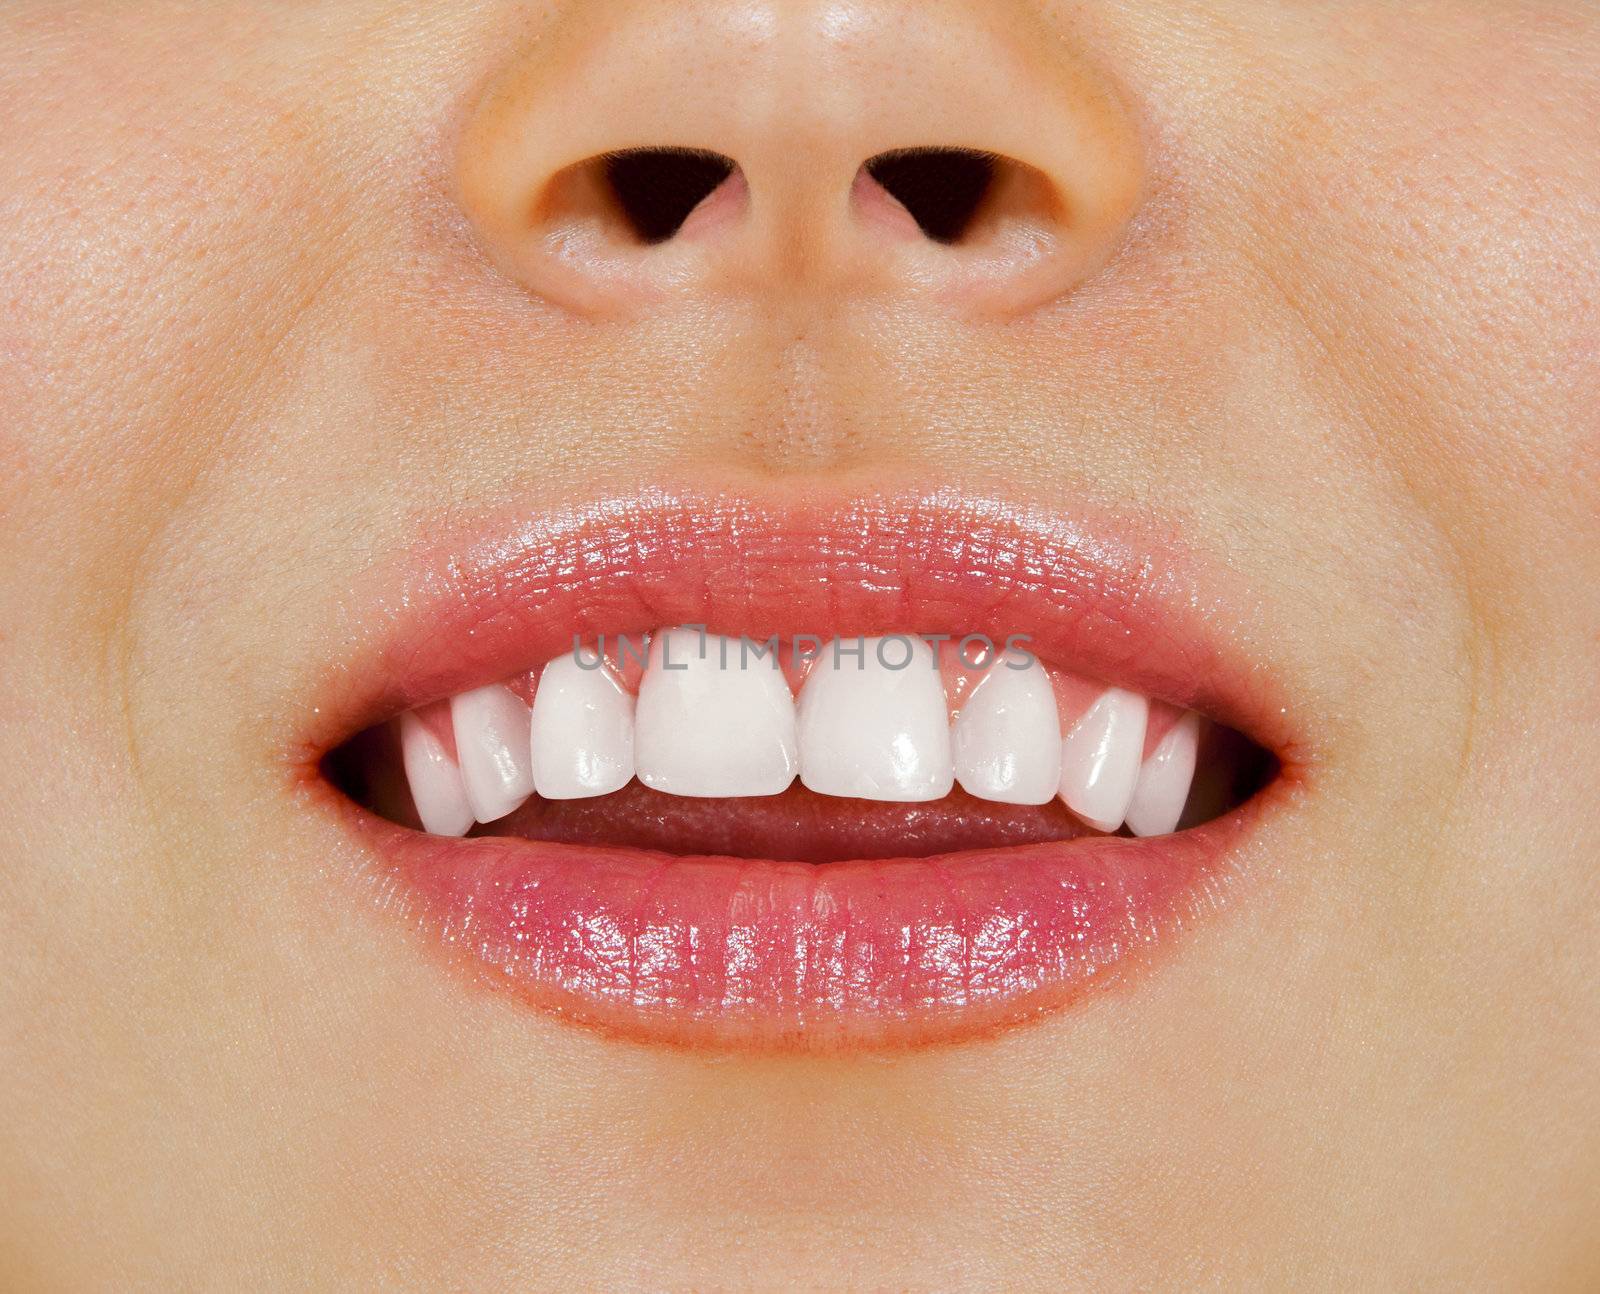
{"points": [[1111, 598], [566, 926]]}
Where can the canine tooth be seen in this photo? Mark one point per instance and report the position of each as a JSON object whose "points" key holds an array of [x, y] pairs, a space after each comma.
{"points": [[1164, 780], [435, 780], [491, 727], [582, 731], [713, 719], [873, 732], [1007, 738], [1100, 758]]}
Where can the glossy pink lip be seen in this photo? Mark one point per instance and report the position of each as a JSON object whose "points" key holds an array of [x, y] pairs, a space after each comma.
{"points": [[756, 953]]}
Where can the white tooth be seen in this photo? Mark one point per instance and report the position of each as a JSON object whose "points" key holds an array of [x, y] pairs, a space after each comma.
{"points": [[491, 727], [435, 781], [1007, 737], [873, 732], [582, 732], [714, 719], [1100, 758], [1164, 780]]}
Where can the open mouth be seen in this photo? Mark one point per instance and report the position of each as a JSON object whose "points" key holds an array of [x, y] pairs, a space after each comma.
{"points": [[700, 772]]}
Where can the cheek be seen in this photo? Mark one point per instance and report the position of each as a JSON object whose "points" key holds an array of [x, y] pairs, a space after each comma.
{"points": [[18, 374], [167, 243], [1584, 367], [1430, 231]]}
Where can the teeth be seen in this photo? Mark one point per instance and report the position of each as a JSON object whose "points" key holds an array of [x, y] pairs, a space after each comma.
{"points": [[1100, 758], [435, 781], [582, 741], [492, 744], [1164, 780], [1007, 737], [872, 732], [714, 720]]}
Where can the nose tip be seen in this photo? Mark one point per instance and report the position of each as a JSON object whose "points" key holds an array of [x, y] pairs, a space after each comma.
{"points": [[937, 152]]}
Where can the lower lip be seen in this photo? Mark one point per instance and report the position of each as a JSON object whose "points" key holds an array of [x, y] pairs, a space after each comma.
{"points": [[765, 955]]}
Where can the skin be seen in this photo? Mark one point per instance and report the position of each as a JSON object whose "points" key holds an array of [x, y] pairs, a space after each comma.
{"points": [[261, 321]]}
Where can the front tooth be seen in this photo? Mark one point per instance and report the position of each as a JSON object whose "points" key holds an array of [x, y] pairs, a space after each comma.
{"points": [[1100, 758], [1164, 780], [714, 719], [1007, 737], [872, 732], [491, 727], [582, 728], [435, 780]]}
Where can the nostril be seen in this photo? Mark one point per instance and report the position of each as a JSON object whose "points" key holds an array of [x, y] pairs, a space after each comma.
{"points": [[943, 189], [656, 189], [969, 200], [634, 195]]}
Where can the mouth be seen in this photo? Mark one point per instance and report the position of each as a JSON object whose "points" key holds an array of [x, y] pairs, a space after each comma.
{"points": [[700, 771]]}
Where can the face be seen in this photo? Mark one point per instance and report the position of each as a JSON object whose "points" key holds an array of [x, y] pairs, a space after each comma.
{"points": [[1242, 357]]}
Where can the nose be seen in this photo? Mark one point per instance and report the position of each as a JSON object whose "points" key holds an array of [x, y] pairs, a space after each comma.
{"points": [[944, 152]]}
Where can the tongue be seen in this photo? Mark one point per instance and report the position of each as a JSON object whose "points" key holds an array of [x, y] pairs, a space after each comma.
{"points": [[798, 826]]}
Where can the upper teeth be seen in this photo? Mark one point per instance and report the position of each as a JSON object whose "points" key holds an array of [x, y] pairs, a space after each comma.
{"points": [[708, 730], [874, 733], [1008, 738], [582, 732], [711, 721]]}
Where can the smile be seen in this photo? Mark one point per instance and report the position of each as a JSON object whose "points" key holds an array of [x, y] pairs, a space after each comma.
{"points": [[702, 771]]}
